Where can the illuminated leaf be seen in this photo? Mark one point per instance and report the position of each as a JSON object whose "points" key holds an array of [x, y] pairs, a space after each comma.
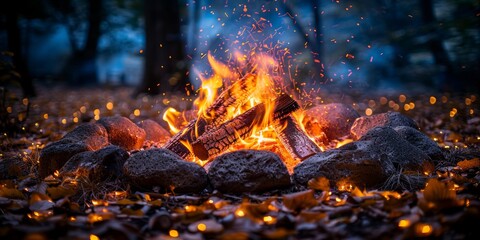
{"points": [[11, 193], [36, 197], [438, 192], [125, 202], [310, 216], [468, 164], [157, 203], [300, 200], [59, 192], [319, 183], [132, 212]]}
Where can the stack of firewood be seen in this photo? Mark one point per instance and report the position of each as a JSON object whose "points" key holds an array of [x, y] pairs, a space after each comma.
{"points": [[212, 133]]}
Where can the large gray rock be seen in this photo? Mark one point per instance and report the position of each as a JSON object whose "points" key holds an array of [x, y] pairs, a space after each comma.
{"points": [[389, 119], [106, 163], [379, 154], [154, 132], [334, 120], [248, 171], [123, 132], [163, 168], [13, 168], [86, 137], [421, 141], [92, 134]]}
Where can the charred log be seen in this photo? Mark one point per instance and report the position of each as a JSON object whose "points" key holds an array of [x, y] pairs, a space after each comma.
{"points": [[219, 139], [297, 143], [216, 114]]}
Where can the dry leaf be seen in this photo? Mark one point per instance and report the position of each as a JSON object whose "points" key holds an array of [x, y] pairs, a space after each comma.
{"points": [[11, 193], [319, 183], [36, 197], [437, 192], [300, 200], [41, 205], [59, 192], [468, 164], [310, 216]]}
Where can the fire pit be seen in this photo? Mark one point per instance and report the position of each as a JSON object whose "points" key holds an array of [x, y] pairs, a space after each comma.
{"points": [[258, 113]]}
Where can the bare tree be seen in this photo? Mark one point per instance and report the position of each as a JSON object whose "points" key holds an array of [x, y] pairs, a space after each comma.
{"points": [[163, 48]]}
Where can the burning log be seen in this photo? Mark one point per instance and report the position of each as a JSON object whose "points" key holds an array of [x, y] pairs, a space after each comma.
{"points": [[297, 143], [216, 114], [219, 139]]}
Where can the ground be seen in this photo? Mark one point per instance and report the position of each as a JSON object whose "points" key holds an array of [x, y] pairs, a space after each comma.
{"points": [[448, 207]]}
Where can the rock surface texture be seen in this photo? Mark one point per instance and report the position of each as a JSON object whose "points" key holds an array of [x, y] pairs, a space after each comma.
{"points": [[154, 132], [123, 132], [106, 163], [86, 137], [369, 162], [389, 119], [334, 120], [163, 168], [248, 171]]}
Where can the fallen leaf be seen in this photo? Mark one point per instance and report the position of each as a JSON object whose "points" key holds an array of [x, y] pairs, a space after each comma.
{"points": [[319, 183], [468, 164], [436, 191], [11, 193], [59, 192], [300, 200], [41, 205]]}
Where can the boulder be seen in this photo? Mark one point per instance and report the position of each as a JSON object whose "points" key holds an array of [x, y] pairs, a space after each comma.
{"points": [[389, 119], [154, 132], [123, 132], [159, 167], [368, 162], [56, 154], [86, 137], [421, 141], [248, 171], [92, 134], [334, 120], [13, 168], [106, 163]]}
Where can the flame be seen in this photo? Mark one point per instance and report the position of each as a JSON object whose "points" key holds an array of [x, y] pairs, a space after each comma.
{"points": [[170, 115]]}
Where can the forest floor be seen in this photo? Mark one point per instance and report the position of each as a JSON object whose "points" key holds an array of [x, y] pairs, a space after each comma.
{"points": [[51, 208]]}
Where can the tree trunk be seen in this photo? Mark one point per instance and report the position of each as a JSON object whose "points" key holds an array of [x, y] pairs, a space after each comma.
{"points": [[15, 46], [163, 48], [436, 45], [82, 68]]}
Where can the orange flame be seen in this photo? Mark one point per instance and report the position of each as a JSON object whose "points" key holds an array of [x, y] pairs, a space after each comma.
{"points": [[170, 115]]}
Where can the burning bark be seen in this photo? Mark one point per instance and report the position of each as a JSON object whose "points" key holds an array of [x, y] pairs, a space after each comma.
{"points": [[294, 139], [219, 139], [230, 99]]}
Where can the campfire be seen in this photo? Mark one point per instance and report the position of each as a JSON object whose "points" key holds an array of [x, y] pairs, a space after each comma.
{"points": [[253, 112]]}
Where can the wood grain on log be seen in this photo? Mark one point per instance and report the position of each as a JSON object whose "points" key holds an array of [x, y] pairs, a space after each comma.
{"points": [[219, 139], [294, 139], [232, 98]]}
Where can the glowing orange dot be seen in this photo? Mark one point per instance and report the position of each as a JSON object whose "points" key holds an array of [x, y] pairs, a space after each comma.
{"points": [[240, 213], [94, 237], [402, 98], [173, 233], [368, 111], [136, 112], [201, 227], [404, 223], [433, 100], [109, 106]]}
